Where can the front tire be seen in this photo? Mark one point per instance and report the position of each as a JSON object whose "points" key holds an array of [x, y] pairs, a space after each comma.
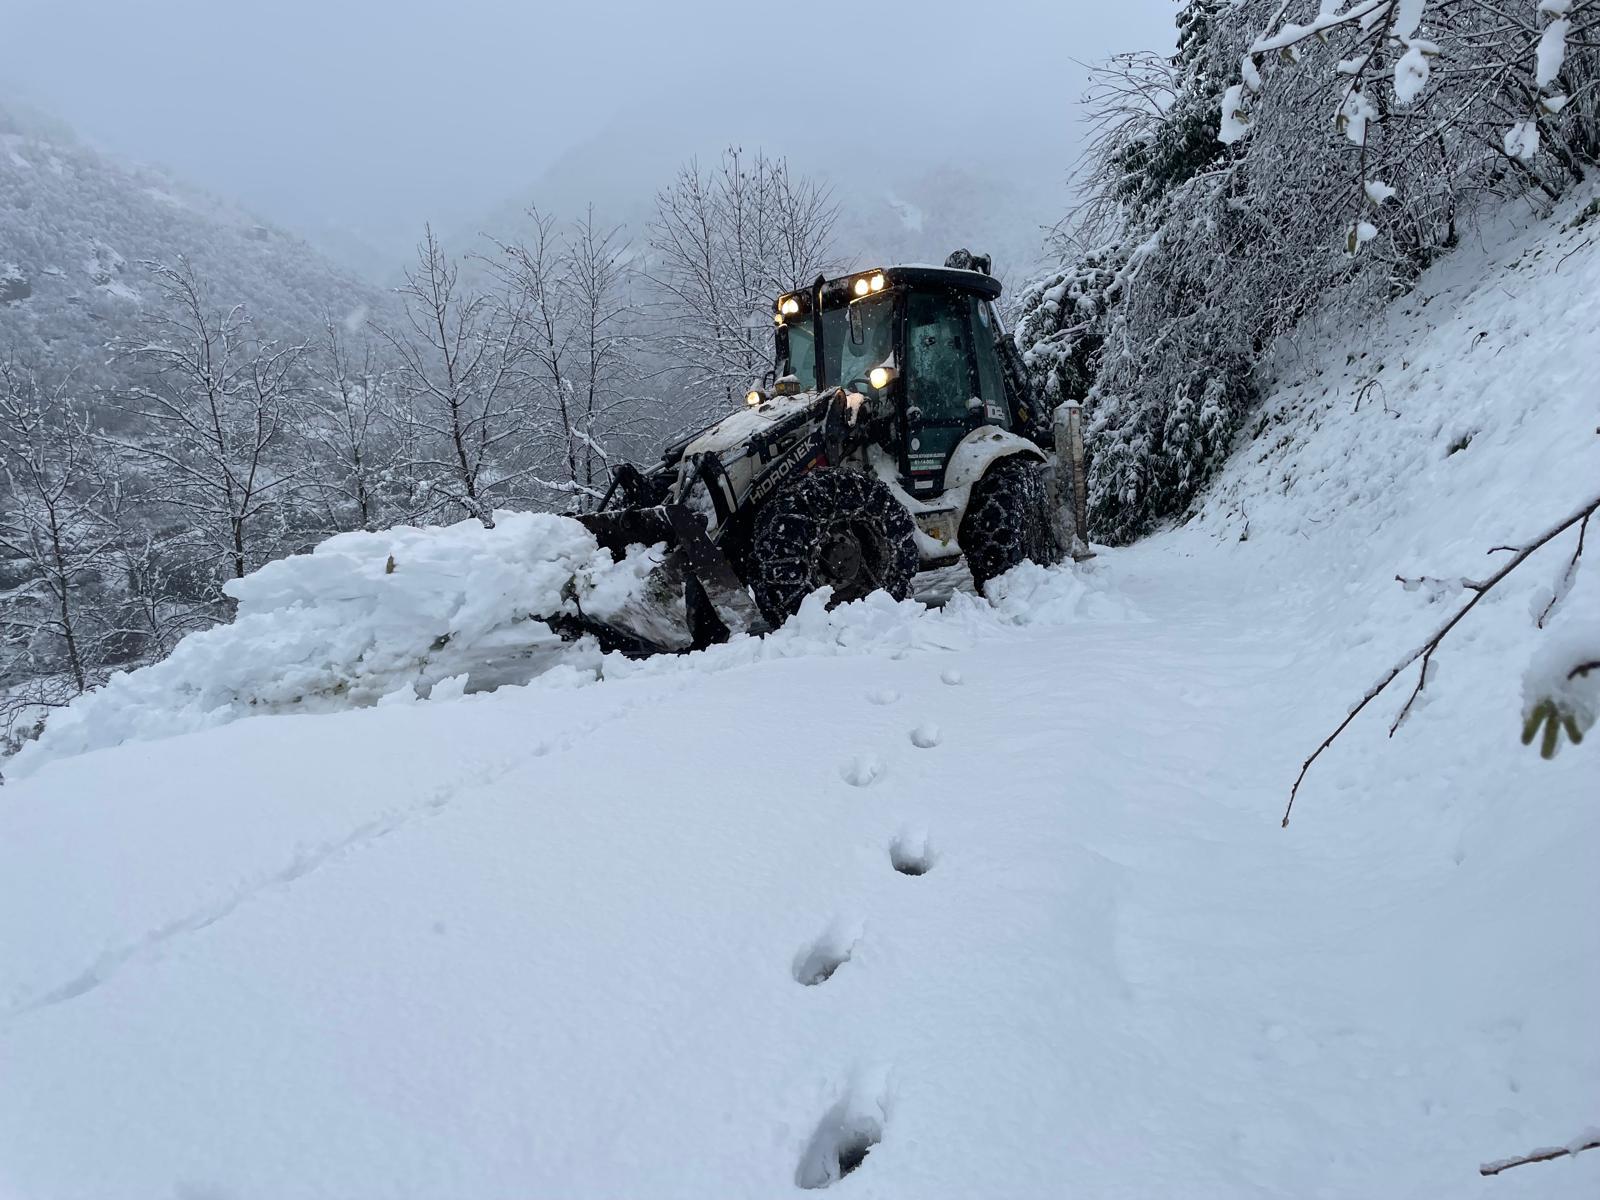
{"points": [[1008, 520], [830, 528]]}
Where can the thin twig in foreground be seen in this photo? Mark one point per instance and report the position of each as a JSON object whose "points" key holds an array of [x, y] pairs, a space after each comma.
{"points": [[1545, 1155], [1425, 651]]}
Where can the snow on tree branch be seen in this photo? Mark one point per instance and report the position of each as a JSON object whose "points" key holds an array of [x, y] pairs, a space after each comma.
{"points": [[1562, 709]]}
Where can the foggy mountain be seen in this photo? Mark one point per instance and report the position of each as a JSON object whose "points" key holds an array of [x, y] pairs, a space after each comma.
{"points": [[76, 224], [894, 206]]}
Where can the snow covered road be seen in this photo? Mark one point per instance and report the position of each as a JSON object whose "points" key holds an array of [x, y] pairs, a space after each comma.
{"points": [[552, 942], [978, 901]]}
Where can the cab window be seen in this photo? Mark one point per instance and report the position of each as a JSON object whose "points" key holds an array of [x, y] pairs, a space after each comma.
{"points": [[801, 353], [991, 376]]}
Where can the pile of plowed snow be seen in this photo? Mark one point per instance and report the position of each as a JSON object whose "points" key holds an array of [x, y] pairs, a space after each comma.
{"points": [[362, 617], [409, 613]]}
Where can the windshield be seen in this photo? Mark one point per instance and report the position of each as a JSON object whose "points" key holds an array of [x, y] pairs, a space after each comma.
{"points": [[848, 354]]}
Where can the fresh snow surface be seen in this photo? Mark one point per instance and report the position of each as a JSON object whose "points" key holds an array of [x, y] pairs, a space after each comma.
{"points": [[995, 893]]}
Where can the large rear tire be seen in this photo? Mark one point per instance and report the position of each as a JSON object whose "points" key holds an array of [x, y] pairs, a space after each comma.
{"points": [[1008, 520], [830, 528]]}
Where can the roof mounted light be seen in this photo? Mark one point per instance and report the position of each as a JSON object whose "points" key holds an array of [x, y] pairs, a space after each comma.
{"points": [[876, 282], [862, 286], [789, 306]]}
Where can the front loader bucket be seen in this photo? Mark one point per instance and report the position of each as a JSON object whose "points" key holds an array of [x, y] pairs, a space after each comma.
{"points": [[692, 599], [623, 527]]}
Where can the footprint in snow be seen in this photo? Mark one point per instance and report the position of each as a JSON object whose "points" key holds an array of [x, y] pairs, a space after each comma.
{"points": [[844, 1137], [910, 854], [883, 696], [925, 736], [817, 961], [863, 770]]}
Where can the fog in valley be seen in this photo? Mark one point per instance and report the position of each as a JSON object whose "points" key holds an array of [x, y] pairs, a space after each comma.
{"points": [[351, 123]]}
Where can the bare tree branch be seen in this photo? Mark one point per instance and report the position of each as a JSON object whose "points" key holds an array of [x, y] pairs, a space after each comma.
{"points": [[1424, 651], [1543, 1155]]}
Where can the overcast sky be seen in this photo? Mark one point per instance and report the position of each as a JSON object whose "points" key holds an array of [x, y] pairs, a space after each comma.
{"points": [[376, 114]]}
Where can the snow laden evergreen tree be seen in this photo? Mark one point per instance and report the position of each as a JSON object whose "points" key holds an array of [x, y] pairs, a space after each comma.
{"points": [[1289, 157], [1125, 324]]}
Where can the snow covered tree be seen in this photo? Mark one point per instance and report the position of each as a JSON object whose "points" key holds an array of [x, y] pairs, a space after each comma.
{"points": [[167, 589], [460, 359], [55, 638], [1428, 87], [724, 243], [213, 406], [1125, 323], [582, 373], [361, 473], [1294, 156], [534, 270], [615, 421]]}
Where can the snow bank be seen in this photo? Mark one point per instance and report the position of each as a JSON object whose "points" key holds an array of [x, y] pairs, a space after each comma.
{"points": [[458, 611], [361, 617]]}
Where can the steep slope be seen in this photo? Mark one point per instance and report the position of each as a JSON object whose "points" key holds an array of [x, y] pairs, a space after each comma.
{"points": [[74, 226], [975, 902]]}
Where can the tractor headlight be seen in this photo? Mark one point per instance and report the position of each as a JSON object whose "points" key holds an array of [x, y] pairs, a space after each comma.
{"points": [[879, 377], [876, 282], [862, 286], [789, 306], [753, 397]]}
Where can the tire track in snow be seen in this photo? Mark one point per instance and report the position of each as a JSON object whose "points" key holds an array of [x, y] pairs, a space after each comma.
{"points": [[112, 962], [106, 967]]}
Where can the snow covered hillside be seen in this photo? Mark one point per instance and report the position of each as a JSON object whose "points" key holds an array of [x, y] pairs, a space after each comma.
{"points": [[76, 225], [979, 901]]}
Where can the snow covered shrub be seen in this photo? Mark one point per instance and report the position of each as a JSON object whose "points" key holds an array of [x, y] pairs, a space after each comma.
{"points": [[1289, 157], [1128, 323]]}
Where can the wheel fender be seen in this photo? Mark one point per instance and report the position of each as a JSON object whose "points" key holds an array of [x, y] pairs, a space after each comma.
{"points": [[980, 450]]}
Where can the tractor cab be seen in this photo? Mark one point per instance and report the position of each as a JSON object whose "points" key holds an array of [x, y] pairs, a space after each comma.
{"points": [[924, 344]]}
